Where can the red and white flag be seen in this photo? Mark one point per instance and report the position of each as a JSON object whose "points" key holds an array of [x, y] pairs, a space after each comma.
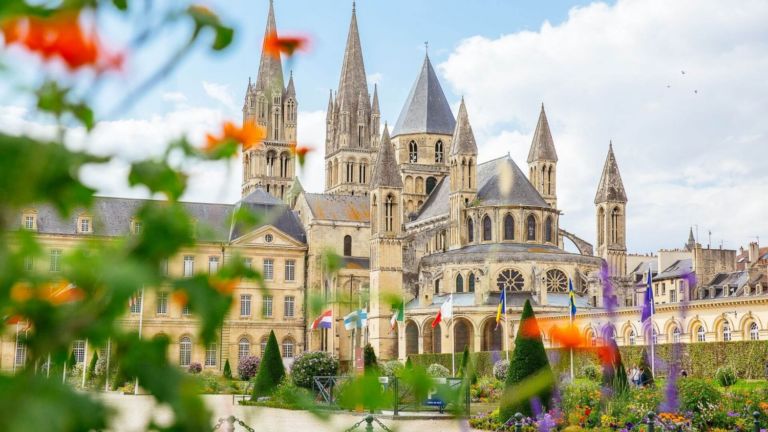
{"points": [[445, 313], [325, 320]]}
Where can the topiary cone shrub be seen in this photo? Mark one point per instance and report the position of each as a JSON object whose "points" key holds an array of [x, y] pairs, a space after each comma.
{"points": [[530, 376], [227, 372], [370, 362], [271, 369]]}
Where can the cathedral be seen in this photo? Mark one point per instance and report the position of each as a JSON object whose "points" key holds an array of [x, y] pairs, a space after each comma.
{"points": [[417, 217]]}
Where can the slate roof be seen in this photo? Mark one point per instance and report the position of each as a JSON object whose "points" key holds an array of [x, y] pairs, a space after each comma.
{"points": [[677, 269], [346, 208], [491, 176], [610, 188], [386, 172], [463, 137], [542, 145], [425, 110], [112, 217]]}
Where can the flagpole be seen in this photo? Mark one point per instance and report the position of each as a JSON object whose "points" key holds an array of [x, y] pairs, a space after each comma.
{"points": [[453, 348], [571, 349]]}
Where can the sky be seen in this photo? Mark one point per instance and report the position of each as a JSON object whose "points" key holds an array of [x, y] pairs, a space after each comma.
{"points": [[678, 87]]}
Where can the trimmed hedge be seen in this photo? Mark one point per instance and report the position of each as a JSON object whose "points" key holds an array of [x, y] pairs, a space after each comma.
{"points": [[701, 360]]}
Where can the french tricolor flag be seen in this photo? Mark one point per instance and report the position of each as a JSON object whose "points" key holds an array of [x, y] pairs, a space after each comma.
{"points": [[325, 320]]}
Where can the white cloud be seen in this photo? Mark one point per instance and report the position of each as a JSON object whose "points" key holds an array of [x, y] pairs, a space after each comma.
{"points": [[311, 133], [174, 97], [691, 147], [221, 93]]}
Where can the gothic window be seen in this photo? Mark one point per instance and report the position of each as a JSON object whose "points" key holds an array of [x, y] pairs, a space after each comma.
{"points": [[471, 282], [510, 279], [531, 227], [431, 183], [470, 230], [411, 338], [556, 281], [347, 245], [459, 283], [437, 286], [615, 225], [389, 213], [276, 125], [486, 228], [543, 177], [362, 171], [469, 174], [413, 152], [271, 157], [509, 227], [549, 181], [185, 351], [754, 331], [548, 230], [600, 226], [438, 153], [374, 215], [360, 136]]}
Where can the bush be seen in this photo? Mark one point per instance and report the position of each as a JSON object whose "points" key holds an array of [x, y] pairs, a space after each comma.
{"points": [[247, 367], [528, 359], [311, 364], [697, 395], [500, 370], [466, 368], [392, 368], [89, 373], [438, 371], [195, 368], [271, 369], [227, 372], [590, 372], [725, 376], [370, 363]]}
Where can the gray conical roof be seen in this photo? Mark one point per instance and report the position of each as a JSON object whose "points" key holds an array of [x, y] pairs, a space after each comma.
{"points": [[691, 244], [385, 172], [611, 188], [270, 67], [290, 91], [425, 110], [463, 137], [542, 145], [375, 102], [352, 81]]}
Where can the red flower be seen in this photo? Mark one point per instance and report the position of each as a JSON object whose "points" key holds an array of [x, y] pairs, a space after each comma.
{"points": [[248, 136], [276, 45], [300, 152], [568, 337]]}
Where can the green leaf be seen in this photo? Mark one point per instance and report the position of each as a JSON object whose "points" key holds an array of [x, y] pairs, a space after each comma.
{"points": [[224, 36], [121, 4], [166, 228], [158, 177], [54, 99], [207, 302]]}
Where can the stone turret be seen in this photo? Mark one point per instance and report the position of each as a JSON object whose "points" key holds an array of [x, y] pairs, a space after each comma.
{"points": [[542, 161], [463, 169], [611, 203]]}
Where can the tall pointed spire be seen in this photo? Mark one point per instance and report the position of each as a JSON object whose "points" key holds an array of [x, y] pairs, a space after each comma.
{"points": [[375, 103], [611, 188], [426, 109], [352, 81], [270, 66], [691, 244], [386, 172], [290, 90], [542, 146], [463, 137]]}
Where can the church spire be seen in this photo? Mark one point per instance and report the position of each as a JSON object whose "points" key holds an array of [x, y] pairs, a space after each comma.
{"points": [[463, 137], [352, 81], [270, 66], [386, 172], [542, 146], [425, 110], [611, 188], [691, 244]]}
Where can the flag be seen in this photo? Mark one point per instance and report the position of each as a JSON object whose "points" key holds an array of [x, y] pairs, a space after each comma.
{"points": [[571, 299], [325, 320], [446, 311], [362, 318], [351, 320], [648, 307], [398, 314], [502, 307]]}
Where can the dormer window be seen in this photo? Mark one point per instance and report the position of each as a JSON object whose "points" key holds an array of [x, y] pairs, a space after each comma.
{"points": [[29, 220], [84, 225]]}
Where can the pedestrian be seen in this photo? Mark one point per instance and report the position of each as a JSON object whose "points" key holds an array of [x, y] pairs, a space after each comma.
{"points": [[633, 375]]}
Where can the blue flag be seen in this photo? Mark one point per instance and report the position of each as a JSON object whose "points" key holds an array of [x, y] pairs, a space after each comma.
{"points": [[571, 299], [648, 307]]}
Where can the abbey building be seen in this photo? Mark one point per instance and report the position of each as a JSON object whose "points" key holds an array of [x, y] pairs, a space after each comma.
{"points": [[416, 215]]}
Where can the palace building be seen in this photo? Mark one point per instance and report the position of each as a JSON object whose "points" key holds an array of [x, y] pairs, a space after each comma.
{"points": [[416, 213]]}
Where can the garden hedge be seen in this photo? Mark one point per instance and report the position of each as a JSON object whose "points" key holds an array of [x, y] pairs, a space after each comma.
{"points": [[701, 360]]}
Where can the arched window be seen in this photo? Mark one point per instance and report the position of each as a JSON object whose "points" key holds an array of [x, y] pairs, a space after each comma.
{"points": [[431, 183], [676, 335], [548, 230], [600, 226], [413, 152], [243, 348], [288, 348], [556, 281], [389, 213], [509, 227], [459, 283], [631, 338], [487, 231], [374, 215], [185, 351], [437, 286], [469, 174], [726, 332], [531, 228], [754, 331], [510, 279], [362, 171], [615, 225], [411, 338], [347, 245], [263, 345], [271, 157], [471, 283], [549, 180], [210, 354], [470, 230], [701, 334], [438, 152]]}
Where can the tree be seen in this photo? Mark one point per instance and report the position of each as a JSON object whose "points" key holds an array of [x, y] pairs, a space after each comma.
{"points": [[467, 368], [92, 366], [530, 376], [227, 372], [72, 361], [271, 369], [646, 373], [370, 363]]}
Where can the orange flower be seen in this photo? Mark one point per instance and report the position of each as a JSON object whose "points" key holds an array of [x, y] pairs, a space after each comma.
{"points": [[275, 45], [530, 329], [300, 152], [21, 292], [64, 292], [568, 337], [180, 298], [60, 36], [248, 136], [224, 286], [607, 354]]}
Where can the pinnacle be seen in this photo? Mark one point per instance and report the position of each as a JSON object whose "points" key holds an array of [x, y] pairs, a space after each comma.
{"points": [[463, 137], [610, 188], [386, 172], [542, 145]]}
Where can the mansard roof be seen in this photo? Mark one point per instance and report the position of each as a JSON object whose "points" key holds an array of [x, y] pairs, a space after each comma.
{"points": [[386, 172], [542, 145], [425, 110], [610, 188]]}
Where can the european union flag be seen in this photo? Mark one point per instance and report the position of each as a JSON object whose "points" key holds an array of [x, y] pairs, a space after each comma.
{"points": [[648, 307]]}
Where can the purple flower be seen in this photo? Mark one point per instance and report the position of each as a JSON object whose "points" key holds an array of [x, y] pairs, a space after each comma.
{"points": [[732, 414]]}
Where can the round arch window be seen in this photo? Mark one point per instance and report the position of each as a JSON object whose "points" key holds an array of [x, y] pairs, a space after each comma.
{"points": [[556, 281], [510, 279]]}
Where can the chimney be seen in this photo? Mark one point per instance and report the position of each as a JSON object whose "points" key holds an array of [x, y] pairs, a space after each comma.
{"points": [[754, 252]]}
